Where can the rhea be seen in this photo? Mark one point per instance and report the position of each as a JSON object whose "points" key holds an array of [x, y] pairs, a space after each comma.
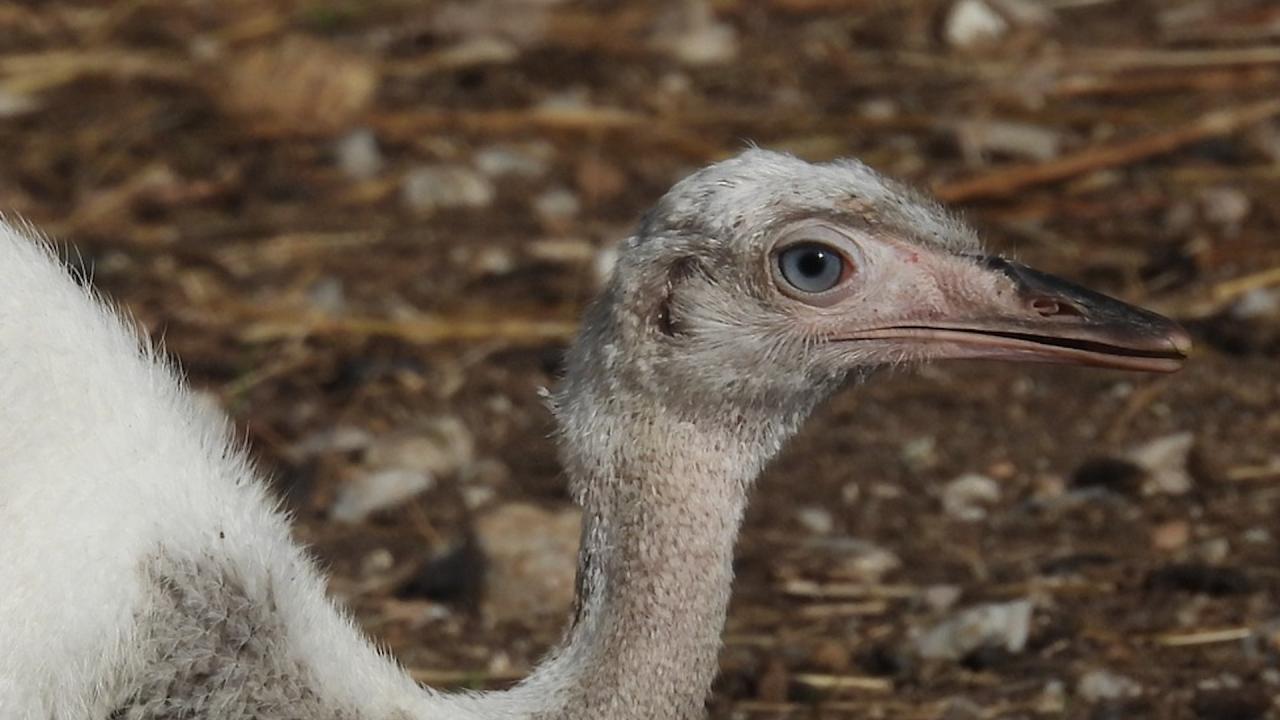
{"points": [[145, 572]]}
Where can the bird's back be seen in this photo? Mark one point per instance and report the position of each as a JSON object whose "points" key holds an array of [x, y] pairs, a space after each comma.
{"points": [[138, 549]]}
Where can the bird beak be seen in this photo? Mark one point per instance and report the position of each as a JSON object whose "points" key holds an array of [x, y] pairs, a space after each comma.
{"points": [[1046, 319]]}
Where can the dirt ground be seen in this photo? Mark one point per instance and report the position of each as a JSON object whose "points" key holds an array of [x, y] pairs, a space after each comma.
{"points": [[353, 220]]}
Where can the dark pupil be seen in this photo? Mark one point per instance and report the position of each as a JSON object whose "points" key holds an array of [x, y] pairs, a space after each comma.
{"points": [[812, 263]]}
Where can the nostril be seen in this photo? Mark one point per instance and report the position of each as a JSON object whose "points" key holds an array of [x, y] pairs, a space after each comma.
{"points": [[1053, 307]]}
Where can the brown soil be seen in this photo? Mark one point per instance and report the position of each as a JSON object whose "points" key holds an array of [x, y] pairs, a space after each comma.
{"points": [[187, 151]]}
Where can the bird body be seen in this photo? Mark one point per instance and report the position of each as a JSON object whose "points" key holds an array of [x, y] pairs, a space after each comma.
{"points": [[148, 574]]}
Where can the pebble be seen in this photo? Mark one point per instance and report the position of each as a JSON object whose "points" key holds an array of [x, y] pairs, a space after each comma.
{"points": [[816, 520], [339, 439], [920, 453], [1257, 303], [964, 497], [14, 105], [694, 36], [368, 493], [865, 562], [557, 207], [397, 467], [531, 559], [358, 154], [971, 22], [1052, 699], [1165, 461], [941, 598], [1171, 536], [1258, 536], [529, 161], [980, 139], [1096, 685], [428, 188], [993, 626], [1226, 207], [441, 446], [328, 295]]}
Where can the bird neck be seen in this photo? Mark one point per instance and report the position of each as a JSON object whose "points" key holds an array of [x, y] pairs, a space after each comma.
{"points": [[663, 499]]}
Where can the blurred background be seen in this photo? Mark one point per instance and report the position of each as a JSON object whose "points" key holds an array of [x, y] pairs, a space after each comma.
{"points": [[367, 228]]}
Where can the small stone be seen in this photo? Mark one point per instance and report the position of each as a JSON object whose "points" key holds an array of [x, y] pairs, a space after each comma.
{"points": [[1096, 685], [436, 187], [865, 562], [980, 140], [377, 562], [816, 520], [531, 558], [15, 105], [1052, 699], [496, 261], [441, 446], [369, 493], [941, 598], [694, 36], [1258, 536], [340, 439], [528, 160], [358, 154], [971, 22], [557, 207], [964, 497], [1257, 303], [1166, 461], [1213, 551], [1171, 536], [328, 296], [1226, 207], [920, 453], [881, 108], [1003, 626]]}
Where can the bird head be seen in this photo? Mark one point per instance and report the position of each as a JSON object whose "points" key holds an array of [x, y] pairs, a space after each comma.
{"points": [[764, 278]]}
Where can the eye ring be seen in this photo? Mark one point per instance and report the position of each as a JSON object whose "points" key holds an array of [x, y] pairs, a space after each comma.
{"points": [[812, 268], [839, 261]]}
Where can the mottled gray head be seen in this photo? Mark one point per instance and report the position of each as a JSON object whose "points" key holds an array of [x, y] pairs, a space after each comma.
{"points": [[763, 280]]}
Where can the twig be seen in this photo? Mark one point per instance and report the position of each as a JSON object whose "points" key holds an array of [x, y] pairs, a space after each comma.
{"points": [[838, 591], [1113, 60], [1204, 637], [1254, 473], [1007, 181], [844, 609], [843, 682], [37, 72], [1231, 289]]}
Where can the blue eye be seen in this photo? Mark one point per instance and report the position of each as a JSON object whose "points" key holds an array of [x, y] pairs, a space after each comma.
{"points": [[811, 267]]}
